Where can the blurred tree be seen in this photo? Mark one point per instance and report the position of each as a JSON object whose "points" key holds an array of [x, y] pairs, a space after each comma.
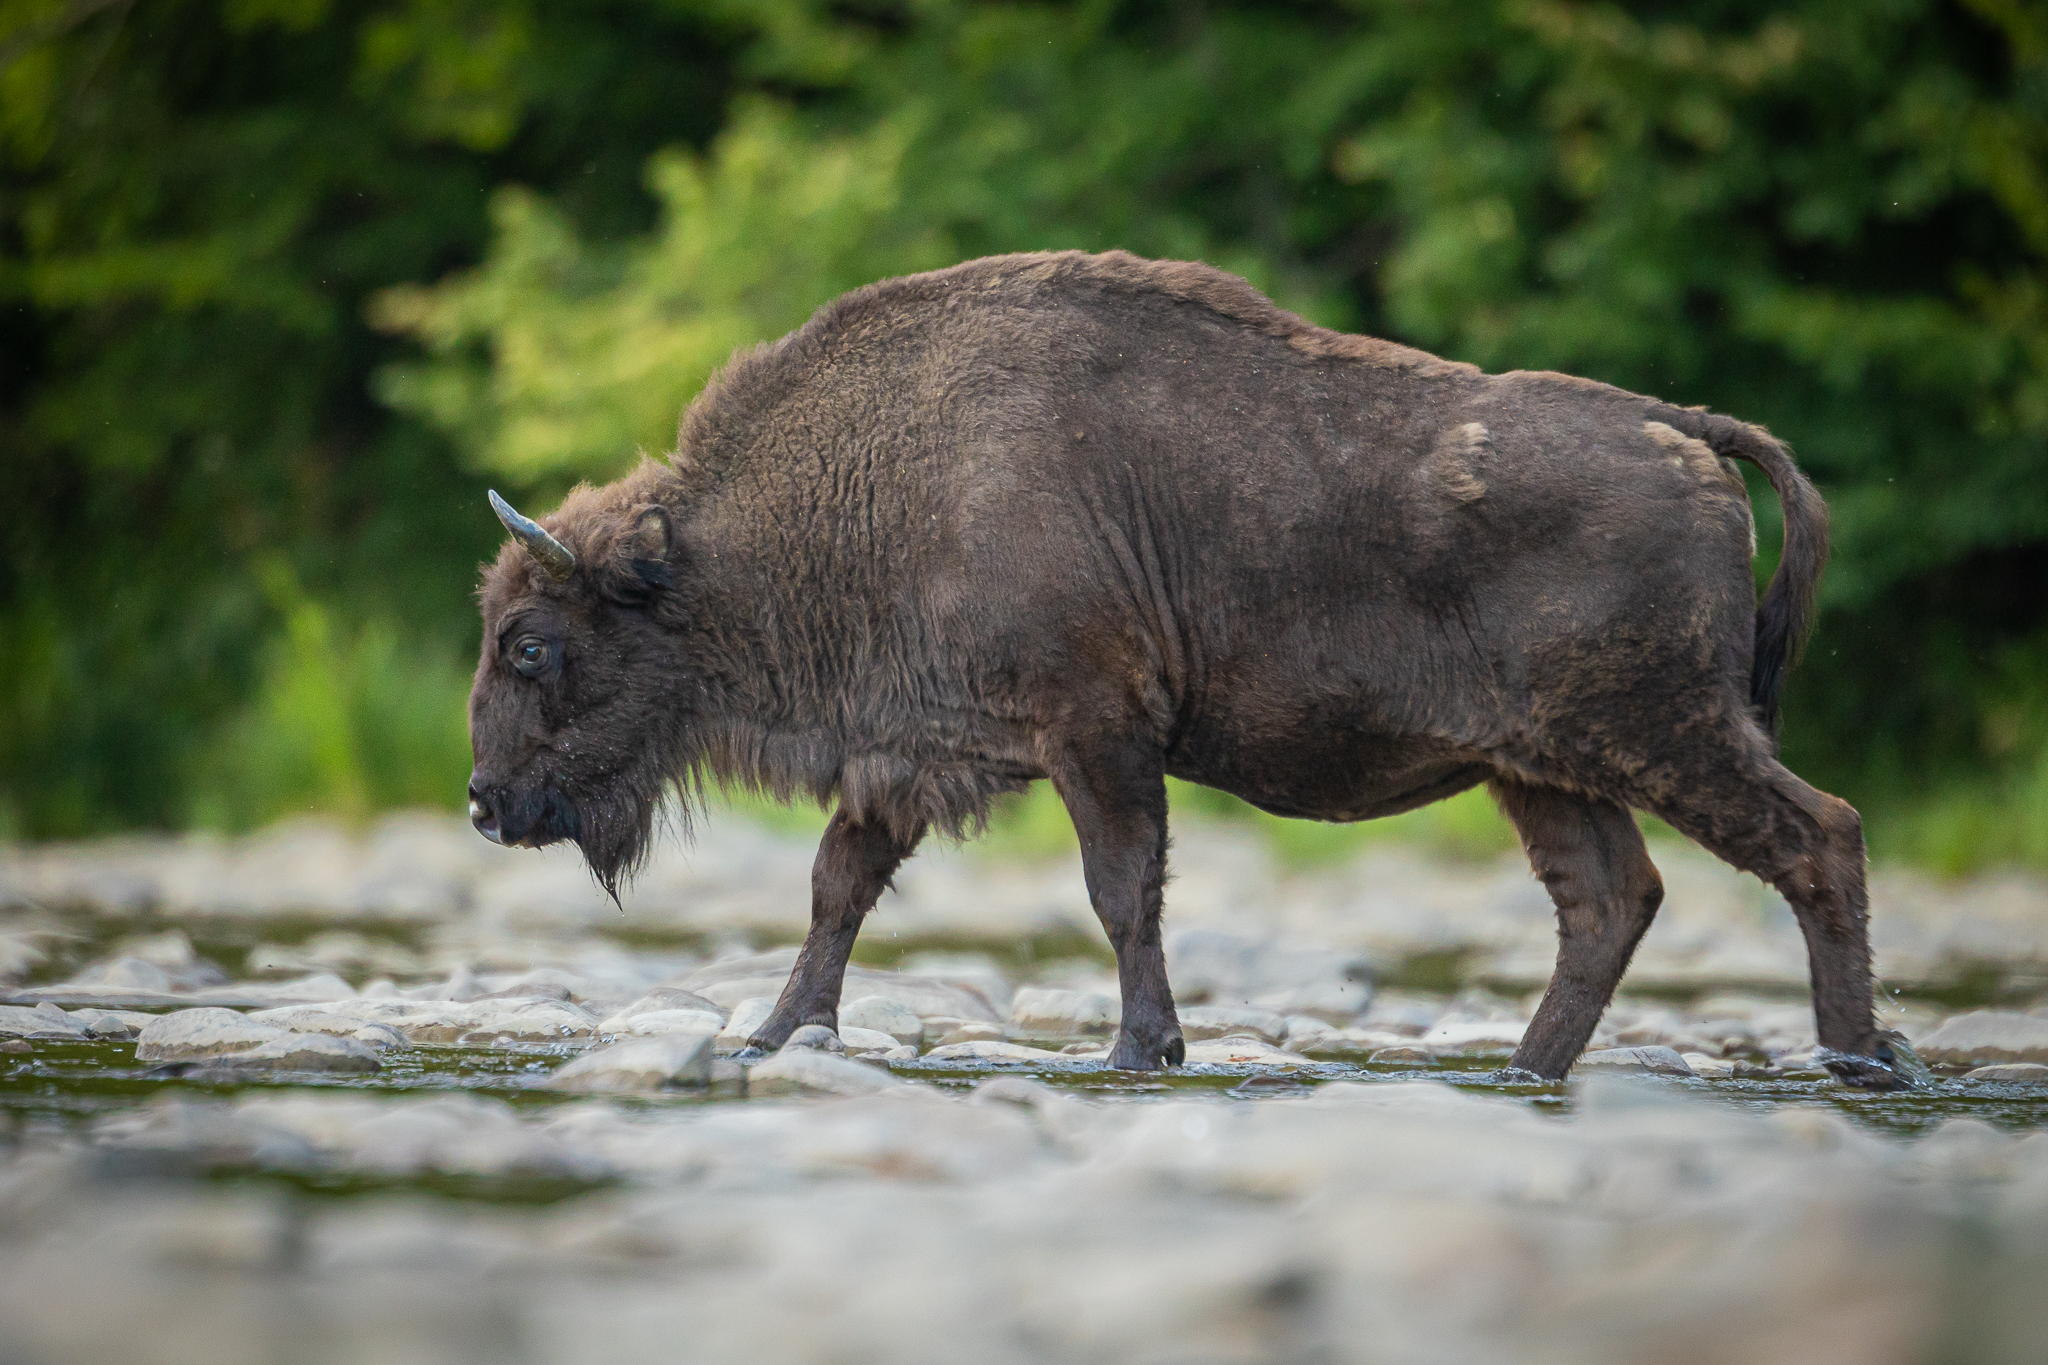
{"points": [[196, 197], [1829, 218]]}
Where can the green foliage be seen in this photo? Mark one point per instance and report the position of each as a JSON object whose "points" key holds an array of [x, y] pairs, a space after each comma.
{"points": [[346, 720], [558, 357], [1829, 218]]}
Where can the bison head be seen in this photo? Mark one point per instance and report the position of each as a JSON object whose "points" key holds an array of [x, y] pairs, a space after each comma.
{"points": [[576, 718]]}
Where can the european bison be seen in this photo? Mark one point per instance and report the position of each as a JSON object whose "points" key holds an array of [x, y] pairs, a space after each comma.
{"points": [[1100, 519]]}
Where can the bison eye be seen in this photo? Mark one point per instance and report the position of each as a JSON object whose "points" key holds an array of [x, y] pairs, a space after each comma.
{"points": [[530, 656]]}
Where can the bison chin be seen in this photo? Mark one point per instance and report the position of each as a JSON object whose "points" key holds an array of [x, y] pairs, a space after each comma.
{"points": [[615, 829]]}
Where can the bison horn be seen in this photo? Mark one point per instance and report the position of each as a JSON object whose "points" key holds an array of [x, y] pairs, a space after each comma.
{"points": [[550, 553]]}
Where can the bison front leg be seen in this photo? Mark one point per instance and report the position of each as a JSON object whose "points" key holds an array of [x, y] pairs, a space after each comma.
{"points": [[1590, 857], [1116, 797], [853, 867]]}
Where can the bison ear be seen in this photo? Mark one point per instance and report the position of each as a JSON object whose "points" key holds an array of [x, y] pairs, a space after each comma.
{"points": [[640, 563]]}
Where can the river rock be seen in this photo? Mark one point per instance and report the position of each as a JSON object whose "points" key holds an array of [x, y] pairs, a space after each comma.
{"points": [[808, 1071], [988, 1050], [977, 970], [668, 1021], [747, 1015], [1402, 1054], [652, 1063], [113, 1023], [660, 1000], [1661, 1061], [881, 1014], [1240, 1050], [816, 1038], [44, 1021], [319, 988], [947, 1032], [1207, 966], [2019, 1073], [1044, 1012], [735, 979], [304, 1019], [1985, 1036], [532, 1019], [1474, 1038], [863, 1040], [299, 1052], [1347, 1044], [335, 950], [189, 1035], [1198, 1022], [124, 974]]}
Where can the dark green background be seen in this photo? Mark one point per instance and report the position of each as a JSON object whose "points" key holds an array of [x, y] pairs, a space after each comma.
{"points": [[235, 584]]}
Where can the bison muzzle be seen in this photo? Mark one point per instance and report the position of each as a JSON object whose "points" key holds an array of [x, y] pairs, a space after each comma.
{"points": [[1100, 520]]}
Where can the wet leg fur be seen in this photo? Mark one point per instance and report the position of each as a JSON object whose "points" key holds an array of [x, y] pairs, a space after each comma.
{"points": [[1589, 855], [852, 869], [1116, 798], [1745, 807]]}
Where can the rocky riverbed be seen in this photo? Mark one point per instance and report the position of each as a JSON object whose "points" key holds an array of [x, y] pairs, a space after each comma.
{"points": [[400, 1095]]}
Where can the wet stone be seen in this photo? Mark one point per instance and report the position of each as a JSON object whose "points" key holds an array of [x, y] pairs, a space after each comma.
{"points": [[987, 1050], [189, 1035], [1346, 1044], [43, 1021], [665, 1021], [814, 1037], [880, 1014], [1661, 1061], [1198, 1022], [1042, 1012], [528, 1019], [733, 980], [1403, 1054], [659, 1062], [1474, 1038], [971, 1033], [661, 1000], [1239, 1051], [299, 1052], [303, 1019], [2014, 1073], [864, 1040], [747, 1016], [1982, 1037], [807, 1071], [113, 1023]]}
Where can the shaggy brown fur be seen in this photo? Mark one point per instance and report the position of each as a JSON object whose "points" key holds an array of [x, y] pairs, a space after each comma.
{"points": [[1098, 520]]}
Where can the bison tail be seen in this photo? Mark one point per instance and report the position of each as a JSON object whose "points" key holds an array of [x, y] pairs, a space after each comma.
{"points": [[1784, 617]]}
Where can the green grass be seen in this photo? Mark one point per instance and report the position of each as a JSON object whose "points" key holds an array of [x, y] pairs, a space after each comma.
{"points": [[1962, 829], [350, 718]]}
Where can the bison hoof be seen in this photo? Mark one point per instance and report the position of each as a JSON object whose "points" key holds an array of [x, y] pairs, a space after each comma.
{"points": [[1891, 1065], [1519, 1075], [1133, 1053]]}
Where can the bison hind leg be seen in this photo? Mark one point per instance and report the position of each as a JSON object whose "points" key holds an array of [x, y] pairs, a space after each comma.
{"points": [[1728, 793]]}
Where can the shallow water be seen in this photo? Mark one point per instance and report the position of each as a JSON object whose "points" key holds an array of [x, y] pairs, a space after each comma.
{"points": [[65, 1087]]}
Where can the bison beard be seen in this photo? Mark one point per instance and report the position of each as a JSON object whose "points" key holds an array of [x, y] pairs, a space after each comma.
{"points": [[1100, 521]]}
